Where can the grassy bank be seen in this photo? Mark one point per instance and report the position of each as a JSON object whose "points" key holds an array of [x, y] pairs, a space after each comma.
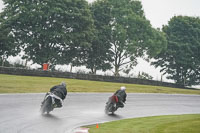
{"points": [[157, 124], [30, 84]]}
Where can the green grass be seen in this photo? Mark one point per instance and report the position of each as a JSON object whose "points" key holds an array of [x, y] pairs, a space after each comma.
{"points": [[32, 84], [156, 124]]}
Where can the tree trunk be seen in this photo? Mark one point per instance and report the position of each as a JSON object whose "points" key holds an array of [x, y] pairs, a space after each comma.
{"points": [[93, 70], [26, 62], [3, 61], [2, 64], [116, 73], [71, 66]]}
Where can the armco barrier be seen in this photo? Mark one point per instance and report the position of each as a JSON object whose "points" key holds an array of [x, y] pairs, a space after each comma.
{"points": [[28, 72]]}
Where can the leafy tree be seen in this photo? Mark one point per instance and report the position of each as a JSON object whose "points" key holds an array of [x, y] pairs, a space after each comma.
{"points": [[7, 45], [181, 59], [99, 54], [81, 33], [130, 33], [144, 75], [99, 57], [47, 28], [127, 69]]}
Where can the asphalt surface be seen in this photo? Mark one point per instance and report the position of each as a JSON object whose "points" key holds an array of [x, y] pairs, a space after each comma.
{"points": [[19, 113]]}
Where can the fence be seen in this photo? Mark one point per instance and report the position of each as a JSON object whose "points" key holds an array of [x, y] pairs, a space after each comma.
{"points": [[28, 72]]}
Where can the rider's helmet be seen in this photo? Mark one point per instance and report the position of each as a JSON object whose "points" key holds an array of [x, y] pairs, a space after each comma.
{"points": [[63, 84], [122, 88]]}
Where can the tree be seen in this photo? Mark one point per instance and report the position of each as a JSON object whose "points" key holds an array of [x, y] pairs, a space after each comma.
{"points": [[99, 54], [144, 75], [7, 45], [46, 29], [81, 33], [181, 59], [130, 33]]}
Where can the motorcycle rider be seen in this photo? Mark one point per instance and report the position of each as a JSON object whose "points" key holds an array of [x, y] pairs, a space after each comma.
{"points": [[121, 95], [60, 91]]}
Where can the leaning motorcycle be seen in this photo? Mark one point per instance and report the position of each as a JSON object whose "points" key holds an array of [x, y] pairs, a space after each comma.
{"points": [[49, 103], [111, 104]]}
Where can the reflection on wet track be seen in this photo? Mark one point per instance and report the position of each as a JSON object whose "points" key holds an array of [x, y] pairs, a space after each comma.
{"points": [[19, 113]]}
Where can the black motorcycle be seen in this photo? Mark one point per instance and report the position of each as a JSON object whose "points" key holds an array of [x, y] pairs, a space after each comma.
{"points": [[49, 103], [111, 105]]}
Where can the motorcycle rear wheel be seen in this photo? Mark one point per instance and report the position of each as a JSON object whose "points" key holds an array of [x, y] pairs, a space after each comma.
{"points": [[46, 106], [109, 108]]}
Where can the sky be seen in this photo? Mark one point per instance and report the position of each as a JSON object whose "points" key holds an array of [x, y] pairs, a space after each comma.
{"points": [[159, 12]]}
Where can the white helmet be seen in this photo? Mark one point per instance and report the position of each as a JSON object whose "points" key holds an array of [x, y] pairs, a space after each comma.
{"points": [[63, 84], [122, 88]]}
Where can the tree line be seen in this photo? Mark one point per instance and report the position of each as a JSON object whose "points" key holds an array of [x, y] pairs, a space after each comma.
{"points": [[103, 35]]}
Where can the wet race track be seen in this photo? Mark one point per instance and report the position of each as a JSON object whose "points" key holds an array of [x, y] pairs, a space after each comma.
{"points": [[19, 113]]}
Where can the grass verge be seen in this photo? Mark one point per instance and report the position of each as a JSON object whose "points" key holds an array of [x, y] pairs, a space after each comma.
{"points": [[32, 84], [156, 124]]}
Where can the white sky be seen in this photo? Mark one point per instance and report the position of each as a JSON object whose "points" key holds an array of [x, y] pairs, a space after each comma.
{"points": [[159, 13]]}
